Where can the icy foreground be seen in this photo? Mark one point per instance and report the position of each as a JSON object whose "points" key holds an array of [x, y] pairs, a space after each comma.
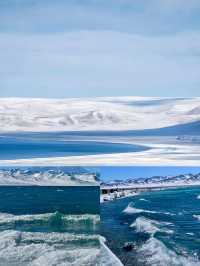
{"points": [[21, 243], [126, 113], [107, 258], [26, 246], [45, 178]]}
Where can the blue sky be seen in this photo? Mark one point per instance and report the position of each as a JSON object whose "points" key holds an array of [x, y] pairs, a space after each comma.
{"points": [[113, 173], [87, 48]]}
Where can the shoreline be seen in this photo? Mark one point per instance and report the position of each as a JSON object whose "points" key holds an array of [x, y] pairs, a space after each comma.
{"points": [[161, 151], [113, 196], [127, 191], [107, 257]]}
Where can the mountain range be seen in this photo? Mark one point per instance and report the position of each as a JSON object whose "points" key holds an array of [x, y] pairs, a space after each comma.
{"points": [[157, 181]]}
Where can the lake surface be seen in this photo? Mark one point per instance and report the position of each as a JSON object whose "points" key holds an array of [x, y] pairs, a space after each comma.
{"points": [[163, 226], [22, 146], [49, 226], [21, 200]]}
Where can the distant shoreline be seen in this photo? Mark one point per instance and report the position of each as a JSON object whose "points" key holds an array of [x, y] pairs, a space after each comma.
{"points": [[120, 192]]}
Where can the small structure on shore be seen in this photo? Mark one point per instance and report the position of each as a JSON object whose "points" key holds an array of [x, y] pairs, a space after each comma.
{"points": [[112, 193]]}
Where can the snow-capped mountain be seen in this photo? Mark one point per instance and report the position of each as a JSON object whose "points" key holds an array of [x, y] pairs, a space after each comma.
{"points": [[121, 113], [186, 179], [50, 177]]}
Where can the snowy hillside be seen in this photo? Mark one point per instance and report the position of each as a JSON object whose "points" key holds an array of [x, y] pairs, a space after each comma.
{"points": [[157, 181], [126, 113], [45, 178]]}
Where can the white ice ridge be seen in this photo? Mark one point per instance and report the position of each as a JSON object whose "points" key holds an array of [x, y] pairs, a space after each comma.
{"points": [[196, 216], [47, 249], [143, 224], [120, 113], [132, 210], [154, 252], [80, 221], [107, 258]]}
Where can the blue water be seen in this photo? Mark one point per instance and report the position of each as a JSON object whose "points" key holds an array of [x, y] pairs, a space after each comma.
{"points": [[49, 225], [22, 146], [163, 226], [22, 200]]}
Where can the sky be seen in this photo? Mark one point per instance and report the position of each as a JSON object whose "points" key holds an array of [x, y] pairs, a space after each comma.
{"points": [[109, 173], [89, 48]]}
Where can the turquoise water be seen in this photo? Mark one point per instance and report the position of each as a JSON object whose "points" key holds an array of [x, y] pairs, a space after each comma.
{"points": [[49, 225], [21, 146], [22, 200], [163, 226]]}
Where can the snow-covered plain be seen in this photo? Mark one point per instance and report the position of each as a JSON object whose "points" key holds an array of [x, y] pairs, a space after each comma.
{"points": [[170, 127], [121, 113]]}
